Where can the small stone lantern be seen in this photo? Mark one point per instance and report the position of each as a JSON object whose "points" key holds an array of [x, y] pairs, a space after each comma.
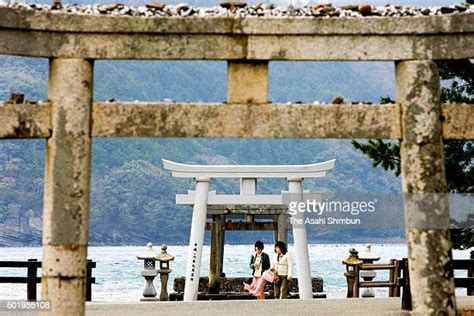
{"points": [[149, 272], [351, 262], [368, 275], [164, 258]]}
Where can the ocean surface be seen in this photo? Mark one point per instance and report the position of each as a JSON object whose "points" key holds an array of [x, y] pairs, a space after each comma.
{"points": [[119, 280]]}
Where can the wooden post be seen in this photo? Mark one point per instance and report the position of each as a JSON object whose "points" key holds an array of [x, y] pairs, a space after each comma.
{"points": [[406, 295], [66, 193], [356, 288], [275, 231], [214, 270], [221, 247], [89, 281], [396, 273], [424, 188], [31, 283], [470, 274], [392, 278], [282, 232]]}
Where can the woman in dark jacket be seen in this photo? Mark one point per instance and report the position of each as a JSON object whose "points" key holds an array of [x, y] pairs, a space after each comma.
{"points": [[259, 263]]}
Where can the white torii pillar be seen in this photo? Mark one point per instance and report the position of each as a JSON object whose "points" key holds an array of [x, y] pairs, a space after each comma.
{"points": [[196, 239], [300, 238]]}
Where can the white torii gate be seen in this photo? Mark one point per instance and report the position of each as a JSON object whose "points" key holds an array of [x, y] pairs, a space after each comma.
{"points": [[248, 175]]}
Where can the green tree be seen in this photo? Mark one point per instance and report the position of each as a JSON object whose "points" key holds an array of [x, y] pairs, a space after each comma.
{"points": [[459, 153]]}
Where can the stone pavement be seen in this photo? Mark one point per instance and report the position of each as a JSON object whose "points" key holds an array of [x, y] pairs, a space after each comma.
{"points": [[377, 306], [359, 306]]}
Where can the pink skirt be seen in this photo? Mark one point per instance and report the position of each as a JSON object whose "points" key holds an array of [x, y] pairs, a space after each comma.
{"points": [[258, 284]]}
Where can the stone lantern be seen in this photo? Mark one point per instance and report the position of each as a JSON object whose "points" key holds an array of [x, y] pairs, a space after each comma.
{"points": [[164, 258], [149, 272], [368, 275], [351, 262]]}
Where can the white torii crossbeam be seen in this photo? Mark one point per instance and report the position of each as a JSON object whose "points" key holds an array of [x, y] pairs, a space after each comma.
{"points": [[248, 175], [315, 170]]}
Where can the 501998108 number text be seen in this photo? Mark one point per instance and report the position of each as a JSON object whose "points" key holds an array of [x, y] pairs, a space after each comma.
{"points": [[24, 305]]}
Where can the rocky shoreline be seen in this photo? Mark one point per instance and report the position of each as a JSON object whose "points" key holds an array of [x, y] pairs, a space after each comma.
{"points": [[241, 9]]}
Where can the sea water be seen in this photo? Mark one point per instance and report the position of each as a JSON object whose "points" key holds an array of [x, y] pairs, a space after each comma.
{"points": [[118, 270]]}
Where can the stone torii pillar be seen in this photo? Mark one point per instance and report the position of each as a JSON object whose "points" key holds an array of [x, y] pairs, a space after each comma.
{"points": [[424, 188], [66, 187]]}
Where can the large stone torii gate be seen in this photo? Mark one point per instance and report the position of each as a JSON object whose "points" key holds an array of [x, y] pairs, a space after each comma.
{"points": [[70, 118], [248, 175]]}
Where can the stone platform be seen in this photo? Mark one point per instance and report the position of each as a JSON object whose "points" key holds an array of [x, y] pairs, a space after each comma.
{"points": [[340, 306], [377, 306], [231, 288]]}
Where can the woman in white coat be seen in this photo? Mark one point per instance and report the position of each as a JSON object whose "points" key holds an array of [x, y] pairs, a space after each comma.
{"points": [[282, 265]]}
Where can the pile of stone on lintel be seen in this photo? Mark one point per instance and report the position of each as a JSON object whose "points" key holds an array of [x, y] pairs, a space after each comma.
{"points": [[242, 9]]}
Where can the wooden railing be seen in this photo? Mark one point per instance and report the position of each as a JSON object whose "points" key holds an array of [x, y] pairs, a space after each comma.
{"points": [[31, 279], [399, 278]]}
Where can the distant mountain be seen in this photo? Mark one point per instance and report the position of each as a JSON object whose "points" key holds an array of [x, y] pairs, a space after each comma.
{"points": [[206, 80]]}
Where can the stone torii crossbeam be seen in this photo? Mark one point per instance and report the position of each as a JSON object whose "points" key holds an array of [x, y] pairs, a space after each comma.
{"points": [[201, 198]]}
